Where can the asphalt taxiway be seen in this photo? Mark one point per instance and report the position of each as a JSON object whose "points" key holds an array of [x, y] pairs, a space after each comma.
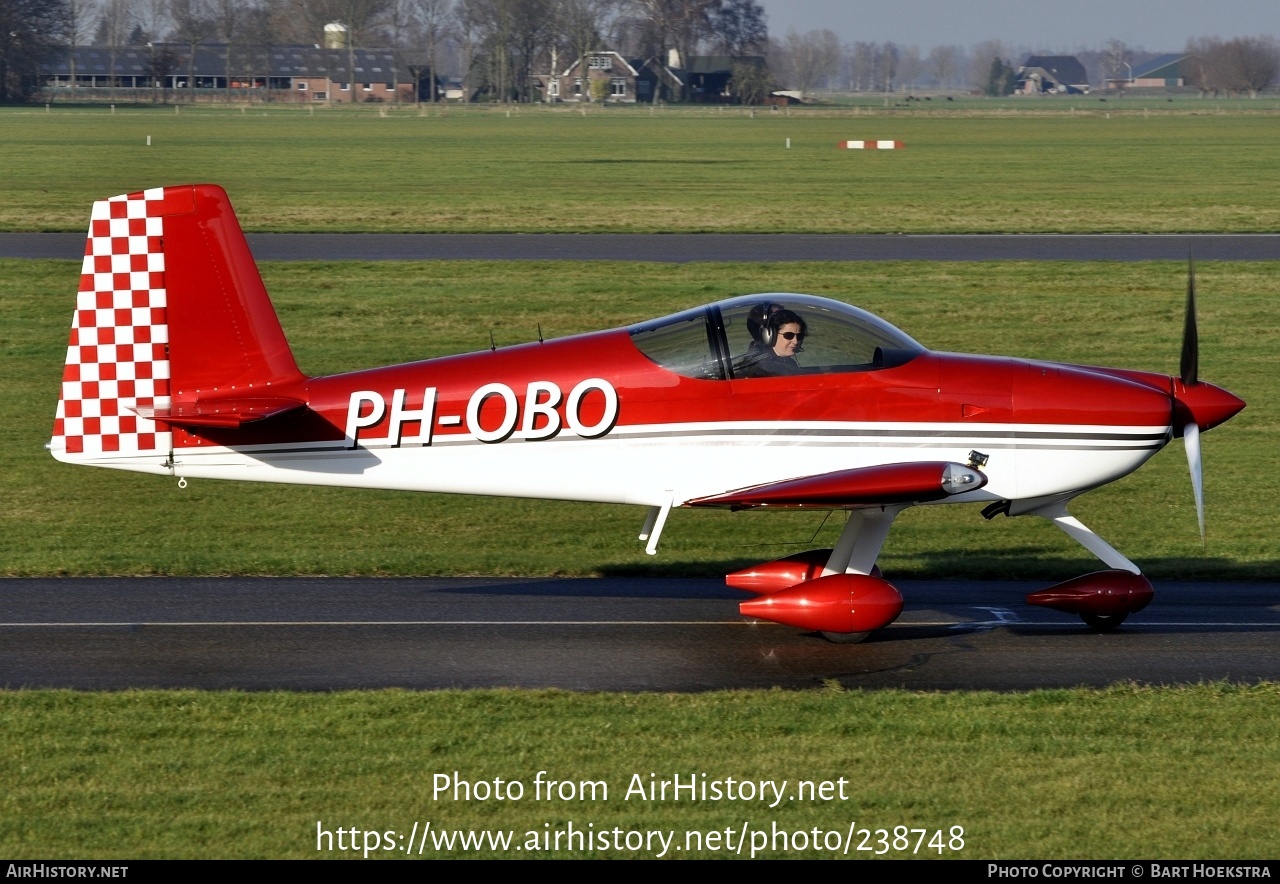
{"points": [[629, 634]]}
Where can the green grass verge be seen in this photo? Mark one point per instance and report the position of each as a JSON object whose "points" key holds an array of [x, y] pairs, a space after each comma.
{"points": [[60, 519], [1015, 166], [1126, 772]]}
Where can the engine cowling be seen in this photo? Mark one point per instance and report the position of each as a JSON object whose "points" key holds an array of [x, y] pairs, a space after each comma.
{"points": [[839, 603]]}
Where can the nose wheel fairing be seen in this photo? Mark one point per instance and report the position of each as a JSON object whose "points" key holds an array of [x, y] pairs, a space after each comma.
{"points": [[1102, 599]]}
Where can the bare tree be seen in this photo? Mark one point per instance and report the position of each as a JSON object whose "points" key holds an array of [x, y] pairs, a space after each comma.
{"points": [[433, 20], [910, 67], [397, 23], [981, 58], [228, 20], [864, 65], [738, 27], [1116, 61], [1254, 63], [534, 28], [943, 62], [1243, 65], [362, 18], [29, 32], [494, 25], [580, 25], [153, 16], [466, 31], [192, 25], [262, 32], [664, 25], [751, 82], [814, 56], [115, 20], [76, 29], [889, 57]]}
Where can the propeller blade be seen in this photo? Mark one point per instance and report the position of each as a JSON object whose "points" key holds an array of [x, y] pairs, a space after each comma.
{"points": [[1191, 439], [1190, 337]]}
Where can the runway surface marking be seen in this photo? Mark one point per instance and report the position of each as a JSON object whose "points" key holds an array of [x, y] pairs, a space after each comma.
{"points": [[377, 623]]}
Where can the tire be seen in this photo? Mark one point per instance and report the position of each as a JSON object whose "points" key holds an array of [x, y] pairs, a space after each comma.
{"points": [[1103, 622], [845, 638]]}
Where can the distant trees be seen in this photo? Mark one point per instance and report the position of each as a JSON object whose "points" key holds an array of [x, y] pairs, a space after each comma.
{"points": [[809, 59], [1002, 78], [510, 35], [433, 20], [501, 46], [29, 31], [737, 27], [751, 82], [1245, 65], [982, 59], [581, 27], [944, 63], [816, 59], [1116, 61]]}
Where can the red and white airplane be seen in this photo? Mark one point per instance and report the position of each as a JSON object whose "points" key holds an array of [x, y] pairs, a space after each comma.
{"points": [[178, 366]]}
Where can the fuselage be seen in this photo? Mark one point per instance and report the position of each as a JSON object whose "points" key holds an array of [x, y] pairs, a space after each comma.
{"points": [[592, 418]]}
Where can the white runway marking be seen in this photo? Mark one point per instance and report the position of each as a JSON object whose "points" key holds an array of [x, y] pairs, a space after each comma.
{"points": [[394, 623], [900, 623]]}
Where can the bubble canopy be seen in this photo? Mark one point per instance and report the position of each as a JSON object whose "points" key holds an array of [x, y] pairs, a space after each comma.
{"points": [[717, 341]]}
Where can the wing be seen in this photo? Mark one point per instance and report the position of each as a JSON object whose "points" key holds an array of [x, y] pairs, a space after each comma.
{"points": [[866, 486]]}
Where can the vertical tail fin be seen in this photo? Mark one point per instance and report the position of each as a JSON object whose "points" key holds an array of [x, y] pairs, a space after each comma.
{"points": [[171, 316]]}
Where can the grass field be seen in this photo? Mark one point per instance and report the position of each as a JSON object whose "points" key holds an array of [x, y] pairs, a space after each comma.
{"points": [[1020, 167], [1141, 773], [61, 519]]}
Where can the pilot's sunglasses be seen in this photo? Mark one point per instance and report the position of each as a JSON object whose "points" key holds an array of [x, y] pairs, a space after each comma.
{"points": [[790, 336]]}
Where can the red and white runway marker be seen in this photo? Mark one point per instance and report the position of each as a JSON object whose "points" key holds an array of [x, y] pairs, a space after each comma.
{"points": [[871, 145]]}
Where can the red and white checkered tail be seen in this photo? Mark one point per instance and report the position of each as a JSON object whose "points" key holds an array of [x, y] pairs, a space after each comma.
{"points": [[170, 316], [118, 358]]}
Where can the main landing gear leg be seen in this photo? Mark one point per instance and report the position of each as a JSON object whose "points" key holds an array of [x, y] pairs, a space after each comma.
{"points": [[856, 552], [1103, 599], [859, 545]]}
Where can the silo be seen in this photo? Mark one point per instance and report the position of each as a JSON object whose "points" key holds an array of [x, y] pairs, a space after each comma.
{"points": [[335, 35]]}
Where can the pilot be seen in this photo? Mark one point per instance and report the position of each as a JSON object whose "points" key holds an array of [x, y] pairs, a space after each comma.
{"points": [[778, 336]]}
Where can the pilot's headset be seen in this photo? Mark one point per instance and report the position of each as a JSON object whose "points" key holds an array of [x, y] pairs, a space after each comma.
{"points": [[758, 323], [779, 317]]}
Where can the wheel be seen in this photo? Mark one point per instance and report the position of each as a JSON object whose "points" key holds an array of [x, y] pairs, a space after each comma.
{"points": [[845, 638], [1103, 622]]}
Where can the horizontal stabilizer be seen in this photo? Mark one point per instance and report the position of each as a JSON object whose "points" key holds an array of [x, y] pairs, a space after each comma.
{"points": [[230, 413], [865, 486]]}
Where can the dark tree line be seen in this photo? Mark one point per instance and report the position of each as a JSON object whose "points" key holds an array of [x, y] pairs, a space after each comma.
{"points": [[29, 31]]}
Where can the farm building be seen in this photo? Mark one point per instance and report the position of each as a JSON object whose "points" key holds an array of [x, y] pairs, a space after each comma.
{"points": [[627, 81], [281, 73], [1168, 71], [1046, 74]]}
